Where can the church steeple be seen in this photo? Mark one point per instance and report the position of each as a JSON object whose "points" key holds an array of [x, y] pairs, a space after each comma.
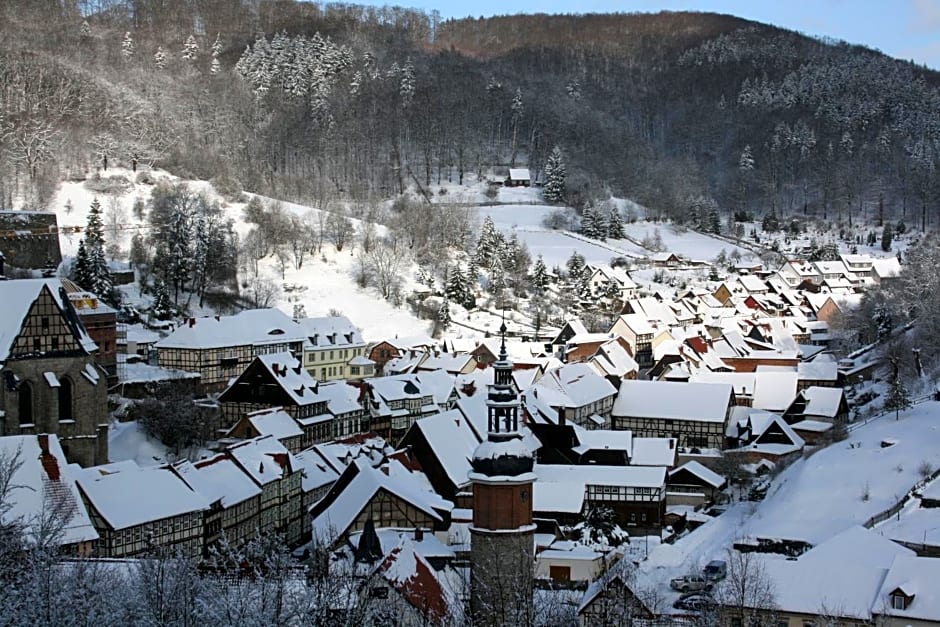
{"points": [[501, 537], [502, 403]]}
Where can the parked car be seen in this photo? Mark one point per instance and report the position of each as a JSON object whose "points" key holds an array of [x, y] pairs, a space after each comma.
{"points": [[716, 570], [690, 583], [695, 602]]}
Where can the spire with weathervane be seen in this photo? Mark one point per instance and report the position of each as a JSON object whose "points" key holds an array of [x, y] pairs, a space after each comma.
{"points": [[502, 403]]}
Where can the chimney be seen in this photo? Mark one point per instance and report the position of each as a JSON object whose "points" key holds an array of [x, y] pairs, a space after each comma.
{"points": [[261, 468], [561, 416], [419, 534], [192, 322], [43, 443], [672, 443], [217, 318]]}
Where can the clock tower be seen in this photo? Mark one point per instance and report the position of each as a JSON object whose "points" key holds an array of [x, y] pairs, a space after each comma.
{"points": [[502, 549]]}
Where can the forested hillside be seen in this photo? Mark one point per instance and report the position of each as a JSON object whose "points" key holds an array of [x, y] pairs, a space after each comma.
{"points": [[316, 102]]}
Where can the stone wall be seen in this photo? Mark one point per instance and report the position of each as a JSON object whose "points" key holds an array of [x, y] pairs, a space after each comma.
{"points": [[29, 239], [83, 434], [501, 577]]}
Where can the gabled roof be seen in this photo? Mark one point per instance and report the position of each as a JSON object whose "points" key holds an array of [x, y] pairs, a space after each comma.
{"points": [[275, 422], [250, 327], [419, 583], [263, 458], [701, 402], [453, 441], [285, 371], [18, 297], [336, 515], [574, 385], [915, 577], [135, 497], [707, 475], [330, 332], [218, 479], [43, 481]]}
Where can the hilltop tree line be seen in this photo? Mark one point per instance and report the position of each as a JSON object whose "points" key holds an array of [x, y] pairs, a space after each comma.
{"points": [[690, 114]]}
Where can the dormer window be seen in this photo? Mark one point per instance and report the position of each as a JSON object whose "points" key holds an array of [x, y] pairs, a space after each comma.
{"points": [[900, 598], [276, 332]]}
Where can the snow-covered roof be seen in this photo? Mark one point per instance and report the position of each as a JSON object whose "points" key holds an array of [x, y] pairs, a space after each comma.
{"points": [[707, 475], [519, 174], [341, 398], [275, 422], [603, 440], [43, 482], [264, 458], [136, 497], [558, 496], [703, 402], [914, 576], [412, 342], [612, 359], [316, 472], [453, 440], [574, 385], [653, 452], [291, 377], [886, 267], [330, 332], [336, 518], [822, 401], [253, 327], [17, 298], [775, 387], [818, 370], [218, 479], [842, 575], [625, 476], [638, 324]]}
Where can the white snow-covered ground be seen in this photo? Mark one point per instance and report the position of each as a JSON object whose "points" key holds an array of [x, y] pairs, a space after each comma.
{"points": [[848, 482], [684, 242], [818, 497], [324, 283]]}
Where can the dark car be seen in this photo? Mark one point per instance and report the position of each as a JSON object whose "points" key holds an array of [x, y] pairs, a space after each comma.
{"points": [[695, 602]]}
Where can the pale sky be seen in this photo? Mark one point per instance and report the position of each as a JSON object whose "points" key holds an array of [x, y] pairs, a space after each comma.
{"points": [[906, 29]]}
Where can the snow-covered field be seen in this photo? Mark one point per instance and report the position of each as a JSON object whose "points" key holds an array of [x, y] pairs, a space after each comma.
{"points": [[324, 283], [848, 482]]}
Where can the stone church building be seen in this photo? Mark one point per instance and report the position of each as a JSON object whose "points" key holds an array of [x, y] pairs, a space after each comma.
{"points": [[49, 382]]}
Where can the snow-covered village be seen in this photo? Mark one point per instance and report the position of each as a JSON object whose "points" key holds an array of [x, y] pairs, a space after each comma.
{"points": [[296, 331]]}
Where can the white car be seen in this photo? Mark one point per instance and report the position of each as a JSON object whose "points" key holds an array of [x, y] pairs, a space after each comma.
{"points": [[690, 583]]}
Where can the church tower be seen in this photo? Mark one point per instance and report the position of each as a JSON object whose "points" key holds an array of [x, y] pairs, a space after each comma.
{"points": [[502, 535]]}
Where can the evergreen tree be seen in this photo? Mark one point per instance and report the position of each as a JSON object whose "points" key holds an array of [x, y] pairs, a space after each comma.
{"points": [[886, 238], [80, 273], [162, 309], [714, 220], [456, 288], [100, 282], [770, 223], [540, 278], [615, 223], [555, 175], [159, 58], [488, 244], [575, 265], [898, 398], [127, 46], [190, 49], [215, 67], [443, 314], [94, 230]]}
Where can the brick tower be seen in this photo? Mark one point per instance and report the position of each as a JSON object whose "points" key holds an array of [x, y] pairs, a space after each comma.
{"points": [[502, 544]]}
